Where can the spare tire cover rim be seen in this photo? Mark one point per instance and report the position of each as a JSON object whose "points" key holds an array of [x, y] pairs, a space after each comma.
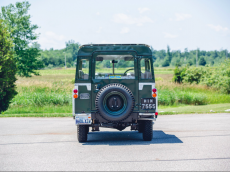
{"points": [[108, 89], [118, 112]]}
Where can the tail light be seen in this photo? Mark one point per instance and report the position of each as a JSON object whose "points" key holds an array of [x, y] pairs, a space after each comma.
{"points": [[75, 91], [154, 94], [156, 113]]}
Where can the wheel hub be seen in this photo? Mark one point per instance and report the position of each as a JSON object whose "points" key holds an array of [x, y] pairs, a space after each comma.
{"points": [[114, 102]]}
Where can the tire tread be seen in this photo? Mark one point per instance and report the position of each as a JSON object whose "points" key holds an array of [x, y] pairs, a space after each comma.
{"points": [[82, 131], [147, 130]]}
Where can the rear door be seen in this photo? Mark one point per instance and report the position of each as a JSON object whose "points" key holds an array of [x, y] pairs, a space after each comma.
{"points": [[103, 74]]}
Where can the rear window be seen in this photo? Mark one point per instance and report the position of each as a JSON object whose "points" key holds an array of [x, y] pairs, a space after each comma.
{"points": [[114, 67], [83, 69], [146, 69]]}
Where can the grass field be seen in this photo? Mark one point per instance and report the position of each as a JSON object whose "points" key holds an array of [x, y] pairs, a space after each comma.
{"points": [[50, 95], [65, 111]]}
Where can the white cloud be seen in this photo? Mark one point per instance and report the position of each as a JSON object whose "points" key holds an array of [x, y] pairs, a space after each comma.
{"points": [[50, 43], [98, 13], [168, 35], [182, 16], [123, 18], [125, 30], [51, 40], [218, 28], [142, 10], [52, 35]]}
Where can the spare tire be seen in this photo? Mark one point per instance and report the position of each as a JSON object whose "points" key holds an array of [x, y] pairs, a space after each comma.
{"points": [[114, 102]]}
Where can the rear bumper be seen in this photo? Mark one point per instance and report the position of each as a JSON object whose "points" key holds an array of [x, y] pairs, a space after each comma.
{"points": [[147, 116], [88, 118]]}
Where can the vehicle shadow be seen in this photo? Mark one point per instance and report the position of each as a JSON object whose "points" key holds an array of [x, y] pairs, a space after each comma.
{"points": [[129, 138]]}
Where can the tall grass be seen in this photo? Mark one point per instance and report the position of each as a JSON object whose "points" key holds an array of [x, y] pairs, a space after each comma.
{"points": [[59, 93], [51, 93], [41, 99], [169, 97], [47, 96], [48, 91], [206, 94], [42, 93]]}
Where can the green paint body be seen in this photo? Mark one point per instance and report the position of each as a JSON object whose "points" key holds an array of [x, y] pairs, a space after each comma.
{"points": [[138, 51]]}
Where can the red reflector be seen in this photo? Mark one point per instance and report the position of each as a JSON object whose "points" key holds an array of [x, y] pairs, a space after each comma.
{"points": [[75, 91], [154, 90], [156, 113]]}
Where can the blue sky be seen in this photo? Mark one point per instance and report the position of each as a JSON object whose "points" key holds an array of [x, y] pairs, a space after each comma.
{"points": [[191, 24]]}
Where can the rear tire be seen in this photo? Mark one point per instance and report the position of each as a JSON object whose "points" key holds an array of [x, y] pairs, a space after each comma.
{"points": [[147, 130], [87, 130], [82, 131]]}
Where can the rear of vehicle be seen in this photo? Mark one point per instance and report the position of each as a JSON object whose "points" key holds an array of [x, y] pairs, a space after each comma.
{"points": [[115, 88]]}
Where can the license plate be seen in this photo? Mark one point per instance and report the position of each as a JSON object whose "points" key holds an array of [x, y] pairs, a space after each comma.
{"points": [[82, 120], [148, 103], [84, 96]]}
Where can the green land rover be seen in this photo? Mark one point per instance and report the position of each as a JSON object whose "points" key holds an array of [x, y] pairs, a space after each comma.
{"points": [[115, 88]]}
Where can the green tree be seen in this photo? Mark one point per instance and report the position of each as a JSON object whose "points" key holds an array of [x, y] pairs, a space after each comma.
{"points": [[215, 54], [212, 62], [186, 53], [190, 63], [73, 48], [202, 61], [179, 74], [7, 69], [23, 33], [165, 63], [153, 53], [168, 55], [178, 62], [168, 58]]}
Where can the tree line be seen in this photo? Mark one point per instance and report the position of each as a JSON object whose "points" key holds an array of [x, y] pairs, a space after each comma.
{"points": [[56, 58], [162, 58]]}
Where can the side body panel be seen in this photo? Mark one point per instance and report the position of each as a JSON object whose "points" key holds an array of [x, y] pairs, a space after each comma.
{"points": [[146, 86], [83, 102]]}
